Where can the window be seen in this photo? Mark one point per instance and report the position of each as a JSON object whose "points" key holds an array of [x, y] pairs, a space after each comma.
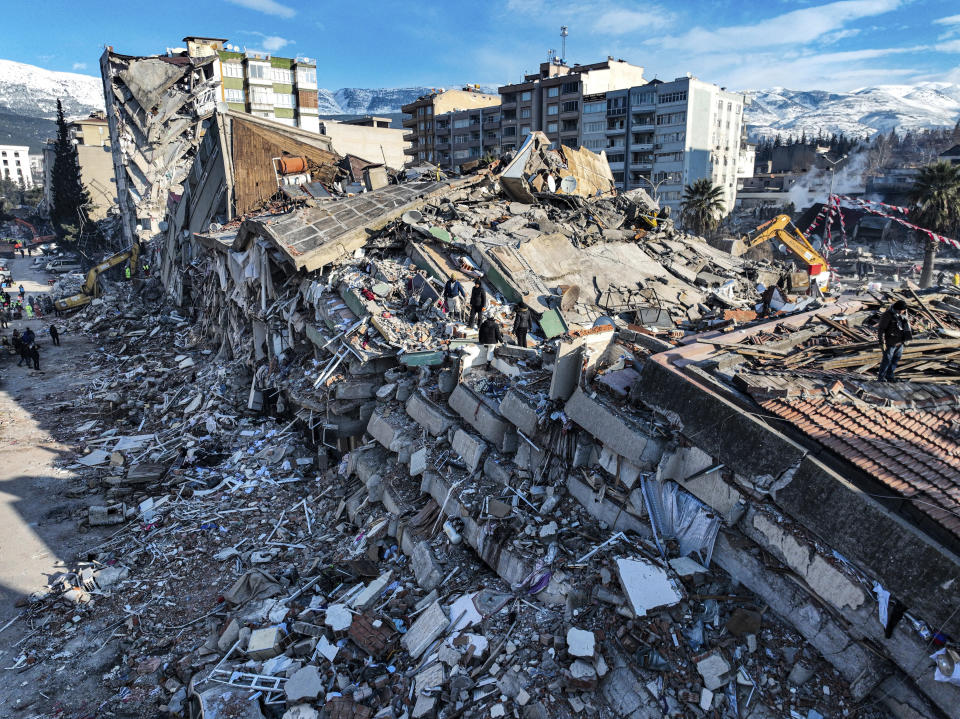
{"points": [[553, 109], [258, 71], [638, 158], [616, 105], [491, 120], [551, 127], [307, 76], [670, 156], [618, 177], [642, 97], [553, 91], [570, 87], [462, 122], [283, 99], [443, 124], [616, 123], [591, 107], [525, 96], [510, 131], [282, 75], [673, 97], [668, 137], [234, 96], [569, 125], [615, 157], [429, 110], [232, 69], [614, 142], [672, 118], [510, 116], [261, 95], [524, 113], [525, 130], [594, 126], [460, 139], [596, 144], [571, 106], [461, 154]]}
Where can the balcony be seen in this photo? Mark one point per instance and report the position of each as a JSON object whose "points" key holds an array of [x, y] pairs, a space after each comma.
{"points": [[615, 165], [643, 125], [616, 130], [643, 165], [642, 146]]}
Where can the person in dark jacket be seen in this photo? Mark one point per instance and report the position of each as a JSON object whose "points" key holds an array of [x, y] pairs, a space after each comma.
{"points": [[490, 333], [478, 300], [521, 324], [893, 332], [55, 335], [452, 292], [33, 355]]}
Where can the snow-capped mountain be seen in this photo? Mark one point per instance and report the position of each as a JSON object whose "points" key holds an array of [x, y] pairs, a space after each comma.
{"points": [[862, 112], [31, 91]]}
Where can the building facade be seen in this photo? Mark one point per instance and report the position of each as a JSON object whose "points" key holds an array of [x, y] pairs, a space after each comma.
{"points": [[552, 100], [15, 165], [371, 138], [419, 120], [91, 138], [274, 88], [662, 136]]}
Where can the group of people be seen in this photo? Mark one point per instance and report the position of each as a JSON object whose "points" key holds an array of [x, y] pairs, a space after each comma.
{"points": [[488, 329]]}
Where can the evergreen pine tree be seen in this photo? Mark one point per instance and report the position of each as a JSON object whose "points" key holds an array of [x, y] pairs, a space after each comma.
{"points": [[778, 141], [70, 198], [955, 135]]}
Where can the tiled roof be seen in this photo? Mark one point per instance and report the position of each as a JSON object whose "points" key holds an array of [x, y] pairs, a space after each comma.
{"points": [[913, 451]]}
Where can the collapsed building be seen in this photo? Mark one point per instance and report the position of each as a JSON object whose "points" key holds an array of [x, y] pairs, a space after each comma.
{"points": [[661, 506]]}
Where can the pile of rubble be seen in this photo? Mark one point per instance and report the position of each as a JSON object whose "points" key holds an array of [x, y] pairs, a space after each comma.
{"points": [[332, 500], [247, 578]]}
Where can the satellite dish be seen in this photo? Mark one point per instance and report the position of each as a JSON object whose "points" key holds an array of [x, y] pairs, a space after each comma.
{"points": [[782, 249], [817, 244], [551, 183], [411, 217], [568, 184]]}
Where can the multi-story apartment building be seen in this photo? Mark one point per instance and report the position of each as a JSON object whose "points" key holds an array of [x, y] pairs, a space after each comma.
{"points": [[15, 165], [277, 88], [465, 135], [552, 100], [662, 136], [419, 121], [91, 139]]}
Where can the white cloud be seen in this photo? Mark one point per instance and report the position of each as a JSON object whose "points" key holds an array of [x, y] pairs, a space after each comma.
{"points": [[620, 21], [794, 28], [951, 46], [270, 43], [270, 7], [79, 66], [949, 20]]}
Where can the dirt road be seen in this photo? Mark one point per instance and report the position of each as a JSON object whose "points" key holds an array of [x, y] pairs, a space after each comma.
{"points": [[38, 520]]}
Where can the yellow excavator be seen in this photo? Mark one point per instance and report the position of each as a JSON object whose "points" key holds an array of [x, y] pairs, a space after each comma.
{"points": [[91, 288], [782, 228]]}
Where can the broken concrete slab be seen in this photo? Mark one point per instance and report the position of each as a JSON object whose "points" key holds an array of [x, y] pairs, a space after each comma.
{"points": [[305, 685], [646, 585], [428, 626]]}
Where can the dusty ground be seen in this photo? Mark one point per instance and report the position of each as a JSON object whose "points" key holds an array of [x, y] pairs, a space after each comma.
{"points": [[38, 522]]}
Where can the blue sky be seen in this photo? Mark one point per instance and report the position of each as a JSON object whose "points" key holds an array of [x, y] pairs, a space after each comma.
{"points": [[743, 44]]}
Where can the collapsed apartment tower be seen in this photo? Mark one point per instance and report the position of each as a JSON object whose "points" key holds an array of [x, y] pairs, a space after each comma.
{"points": [[643, 440], [157, 109]]}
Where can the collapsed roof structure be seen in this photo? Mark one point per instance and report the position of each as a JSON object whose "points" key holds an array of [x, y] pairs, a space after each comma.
{"points": [[654, 456]]}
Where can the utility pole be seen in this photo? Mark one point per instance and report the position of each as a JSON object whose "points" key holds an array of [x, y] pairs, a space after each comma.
{"points": [[563, 41]]}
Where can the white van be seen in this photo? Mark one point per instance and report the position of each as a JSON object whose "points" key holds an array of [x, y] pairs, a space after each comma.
{"points": [[64, 264]]}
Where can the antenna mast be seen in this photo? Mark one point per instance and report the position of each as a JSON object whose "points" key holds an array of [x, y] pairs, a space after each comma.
{"points": [[563, 40]]}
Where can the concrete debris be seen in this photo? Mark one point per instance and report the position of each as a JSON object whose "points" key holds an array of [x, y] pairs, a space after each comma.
{"points": [[332, 499]]}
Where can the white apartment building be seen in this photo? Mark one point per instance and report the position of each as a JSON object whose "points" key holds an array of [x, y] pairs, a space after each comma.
{"points": [[671, 134], [15, 164]]}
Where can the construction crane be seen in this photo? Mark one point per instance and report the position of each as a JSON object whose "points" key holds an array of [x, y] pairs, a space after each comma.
{"points": [[91, 287], [782, 228]]}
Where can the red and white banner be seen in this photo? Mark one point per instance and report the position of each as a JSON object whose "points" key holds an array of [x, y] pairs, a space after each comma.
{"points": [[922, 230]]}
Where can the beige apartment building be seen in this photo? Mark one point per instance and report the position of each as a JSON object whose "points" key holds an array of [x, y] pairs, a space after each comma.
{"points": [[419, 118], [91, 137]]}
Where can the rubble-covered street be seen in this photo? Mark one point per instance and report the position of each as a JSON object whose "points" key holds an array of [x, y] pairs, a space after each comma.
{"points": [[302, 486]]}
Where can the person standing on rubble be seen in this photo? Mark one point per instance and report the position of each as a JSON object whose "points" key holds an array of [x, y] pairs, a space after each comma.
{"points": [[54, 335], [478, 301], [893, 332], [767, 299], [490, 333], [4, 317], [126, 272], [941, 276], [452, 292], [521, 324], [33, 355]]}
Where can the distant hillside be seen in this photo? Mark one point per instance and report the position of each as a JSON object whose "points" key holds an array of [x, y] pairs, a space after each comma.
{"points": [[22, 130]]}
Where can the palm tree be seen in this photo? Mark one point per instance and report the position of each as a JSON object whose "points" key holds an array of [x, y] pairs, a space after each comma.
{"points": [[702, 206], [936, 199]]}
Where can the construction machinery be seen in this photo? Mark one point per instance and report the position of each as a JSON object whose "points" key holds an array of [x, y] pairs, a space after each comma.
{"points": [[91, 287], [782, 228]]}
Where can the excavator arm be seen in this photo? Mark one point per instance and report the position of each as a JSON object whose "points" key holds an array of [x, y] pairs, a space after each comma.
{"points": [[91, 287], [782, 228]]}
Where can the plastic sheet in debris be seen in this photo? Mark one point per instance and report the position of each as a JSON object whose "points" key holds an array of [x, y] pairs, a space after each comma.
{"points": [[675, 514]]}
